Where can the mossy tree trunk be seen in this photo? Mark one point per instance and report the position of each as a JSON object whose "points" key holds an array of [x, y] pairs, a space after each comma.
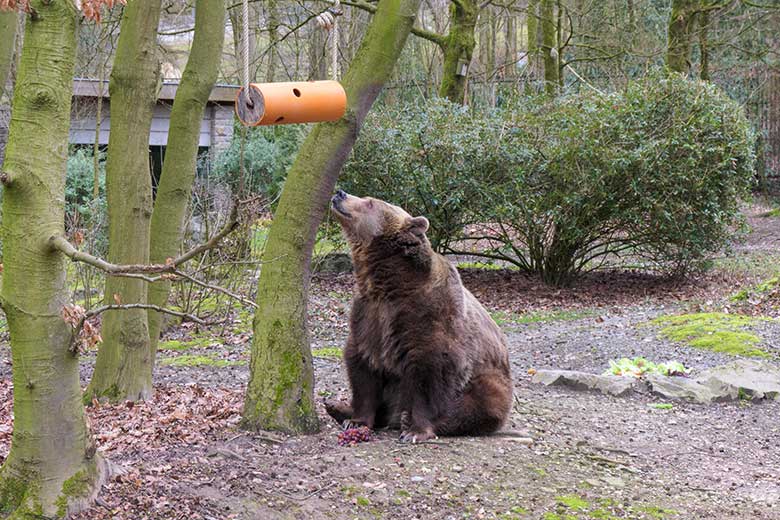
{"points": [[458, 47], [8, 23], [704, 48], [52, 469], [123, 370], [681, 29], [549, 47], [178, 172], [280, 391]]}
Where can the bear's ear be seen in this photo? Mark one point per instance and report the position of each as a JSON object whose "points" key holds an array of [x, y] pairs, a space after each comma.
{"points": [[418, 225]]}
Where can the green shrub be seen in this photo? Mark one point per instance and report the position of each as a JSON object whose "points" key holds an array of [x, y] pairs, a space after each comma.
{"points": [[80, 182], [654, 174], [268, 153]]}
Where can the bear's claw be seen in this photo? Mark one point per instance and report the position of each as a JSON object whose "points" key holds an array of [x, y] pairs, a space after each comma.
{"points": [[415, 437]]}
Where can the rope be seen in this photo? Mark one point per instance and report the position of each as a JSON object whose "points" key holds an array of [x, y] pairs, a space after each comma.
{"points": [[335, 43], [328, 21], [245, 43]]}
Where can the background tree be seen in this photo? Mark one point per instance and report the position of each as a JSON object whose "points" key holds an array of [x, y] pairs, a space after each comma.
{"points": [[280, 393], [682, 19], [52, 468], [174, 191], [8, 23], [123, 369]]}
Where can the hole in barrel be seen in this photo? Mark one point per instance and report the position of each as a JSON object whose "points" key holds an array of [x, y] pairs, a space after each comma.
{"points": [[297, 92], [279, 119]]}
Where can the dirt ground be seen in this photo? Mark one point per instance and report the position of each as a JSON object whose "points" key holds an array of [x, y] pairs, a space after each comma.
{"points": [[565, 454]]}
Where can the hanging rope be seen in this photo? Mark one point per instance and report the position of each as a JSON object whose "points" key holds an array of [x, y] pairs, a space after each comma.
{"points": [[245, 42], [328, 20]]}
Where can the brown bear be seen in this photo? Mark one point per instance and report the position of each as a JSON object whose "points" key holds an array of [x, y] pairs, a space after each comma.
{"points": [[422, 355]]}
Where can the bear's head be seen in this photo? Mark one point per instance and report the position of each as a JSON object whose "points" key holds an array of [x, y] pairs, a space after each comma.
{"points": [[371, 224]]}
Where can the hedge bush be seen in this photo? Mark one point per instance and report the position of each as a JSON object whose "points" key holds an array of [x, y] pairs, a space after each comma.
{"points": [[652, 176]]}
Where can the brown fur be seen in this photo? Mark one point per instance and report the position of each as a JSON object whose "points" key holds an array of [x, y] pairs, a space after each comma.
{"points": [[423, 355]]}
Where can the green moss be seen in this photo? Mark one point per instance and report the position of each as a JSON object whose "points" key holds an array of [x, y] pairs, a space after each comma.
{"points": [[363, 501], [771, 213], [602, 514], [189, 360], [326, 352], [573, 502], [488, 266], [12, 492], [714, 331], [758, 290], [661, 406], [655, 511]]}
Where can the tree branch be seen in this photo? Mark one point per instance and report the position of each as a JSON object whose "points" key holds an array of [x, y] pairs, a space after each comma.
{"points": [[438, 39], [60, 243]]}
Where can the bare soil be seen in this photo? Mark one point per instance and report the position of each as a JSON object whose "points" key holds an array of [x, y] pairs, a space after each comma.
{"points": [[590, 455]]}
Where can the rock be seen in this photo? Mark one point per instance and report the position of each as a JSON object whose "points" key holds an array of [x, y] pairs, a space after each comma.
{"points": [[615, 482], [745, 378], [612, 385], [680, 388], [740, 379], [417, 479]]}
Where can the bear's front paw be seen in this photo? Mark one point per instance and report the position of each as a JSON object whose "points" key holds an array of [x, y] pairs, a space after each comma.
{"points": [[417, 436]]}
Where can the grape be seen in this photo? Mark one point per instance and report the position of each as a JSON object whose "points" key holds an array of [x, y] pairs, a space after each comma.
{"points": [[353, 436]]}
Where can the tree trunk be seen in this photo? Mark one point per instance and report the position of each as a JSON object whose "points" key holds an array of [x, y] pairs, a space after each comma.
{"points": [[280, 393], [549, 47], [532, 22], [123, 369], [8, 23], [704, 48], [318, 61], [681, 23], [272, 11], [510, 49], [458, 47], [178, 172], [52, 469]]}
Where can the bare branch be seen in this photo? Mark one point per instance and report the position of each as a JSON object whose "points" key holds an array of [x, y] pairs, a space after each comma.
{"points": [[60, 243]]}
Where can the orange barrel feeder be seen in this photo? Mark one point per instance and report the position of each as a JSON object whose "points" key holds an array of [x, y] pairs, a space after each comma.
{"points": [[291, 102]]}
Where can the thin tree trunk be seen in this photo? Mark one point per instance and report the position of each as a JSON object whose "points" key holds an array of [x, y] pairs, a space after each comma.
{"points": [[510, 50], [178, 171], [549, 47], [52, 469], [8, 23], [704, 48], [458, 47], [280, 393], [123, 369], [98, 124], [273, 28], [681, 23], [318, 62], [532, 22]]}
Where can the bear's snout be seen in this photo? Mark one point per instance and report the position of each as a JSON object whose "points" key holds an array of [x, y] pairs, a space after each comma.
{"points": [[337, 202]]}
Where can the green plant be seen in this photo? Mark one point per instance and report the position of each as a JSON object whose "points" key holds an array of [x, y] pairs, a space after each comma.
{"points": [[79, 184], [557, 187], [640, 366], [268, 153]]}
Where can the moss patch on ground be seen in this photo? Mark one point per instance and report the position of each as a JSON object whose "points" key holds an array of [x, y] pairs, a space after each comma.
{"points": [[188, 360], [326, 352], [714, 331]]}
